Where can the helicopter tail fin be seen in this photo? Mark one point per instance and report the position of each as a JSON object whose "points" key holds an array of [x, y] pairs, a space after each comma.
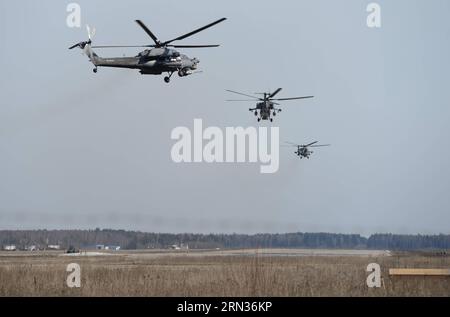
{"points": [[86, 47], [93, 57]]}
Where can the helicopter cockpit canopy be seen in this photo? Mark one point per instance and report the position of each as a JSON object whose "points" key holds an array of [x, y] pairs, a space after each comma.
{"points": [[143, 53], [155, 52], [172, 53]]}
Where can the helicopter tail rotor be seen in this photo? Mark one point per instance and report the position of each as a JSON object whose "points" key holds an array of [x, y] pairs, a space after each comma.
{"points": [[86, 47], [82, 45], [91, 32]]}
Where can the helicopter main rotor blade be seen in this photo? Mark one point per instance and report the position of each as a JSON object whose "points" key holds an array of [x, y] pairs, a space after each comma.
{"points": [[294, 98], [275, 93], [321, 145], [310, 144], [194, 46], [176, 46], [147, 30], [239, 93], [118, 46], [195, 31], [248, 100]]}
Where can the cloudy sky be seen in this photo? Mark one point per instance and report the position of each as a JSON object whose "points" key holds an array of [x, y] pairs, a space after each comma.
{"points": [[84, 150]]}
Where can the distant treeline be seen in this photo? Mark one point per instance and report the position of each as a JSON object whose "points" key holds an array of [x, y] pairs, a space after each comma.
{"points": [[140, 240]]}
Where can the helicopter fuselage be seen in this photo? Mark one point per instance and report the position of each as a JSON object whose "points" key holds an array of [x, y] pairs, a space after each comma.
{"points": [[159, 59], [265, 109], [303, 152], [153, 62]]}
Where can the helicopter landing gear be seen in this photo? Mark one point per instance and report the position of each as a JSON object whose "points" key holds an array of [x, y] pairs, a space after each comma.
{"points": [[271, 119], [259, 119], [95, 70], [274, 114], [167, 78], [256, 113]]}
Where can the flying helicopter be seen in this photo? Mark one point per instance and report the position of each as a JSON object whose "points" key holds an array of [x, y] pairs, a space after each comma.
{"points": [[266, 104], [160, 58], [303, 150]]}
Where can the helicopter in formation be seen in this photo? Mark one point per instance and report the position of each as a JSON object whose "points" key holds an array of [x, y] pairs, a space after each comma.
{"points": [[265, 108], [160, 58], [303, 150]]}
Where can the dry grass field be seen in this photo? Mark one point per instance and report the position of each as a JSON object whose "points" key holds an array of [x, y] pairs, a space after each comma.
{"points": [[215, 273]]}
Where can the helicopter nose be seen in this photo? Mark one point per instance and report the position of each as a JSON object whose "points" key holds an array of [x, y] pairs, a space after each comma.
{"points": [[195, 61]]}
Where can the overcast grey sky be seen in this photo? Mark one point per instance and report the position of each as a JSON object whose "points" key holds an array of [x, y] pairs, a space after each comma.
{"points": [[84, 150]]}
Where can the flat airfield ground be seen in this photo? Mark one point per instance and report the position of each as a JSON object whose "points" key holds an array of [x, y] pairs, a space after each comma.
{"points": [[255, 272]]}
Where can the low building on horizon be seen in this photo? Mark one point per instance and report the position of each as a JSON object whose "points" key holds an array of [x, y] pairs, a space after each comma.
{"points": [[112, 247]]}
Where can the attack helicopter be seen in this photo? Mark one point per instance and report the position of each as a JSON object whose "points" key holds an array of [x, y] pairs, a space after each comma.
{"points": [[266, 104], [303, 150], [161, 57]]}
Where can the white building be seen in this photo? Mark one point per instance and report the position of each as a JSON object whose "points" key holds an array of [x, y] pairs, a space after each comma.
{"points": [[10, 247], [179, 247], [112, 247]]}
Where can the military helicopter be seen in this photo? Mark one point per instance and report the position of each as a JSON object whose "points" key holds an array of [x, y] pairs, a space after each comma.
{"points": [[161, 58], [266, 104], [303, 150]]}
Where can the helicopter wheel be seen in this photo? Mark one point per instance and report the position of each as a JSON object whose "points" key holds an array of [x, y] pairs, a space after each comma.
{"points": [[274, 113], [95, 70], [259, 119], [256, 113], [271, 119], [167, 79]]}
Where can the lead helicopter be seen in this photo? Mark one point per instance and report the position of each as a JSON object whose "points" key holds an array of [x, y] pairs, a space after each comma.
{"points": [[266, 104], [160, 58], [303, 150]]}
